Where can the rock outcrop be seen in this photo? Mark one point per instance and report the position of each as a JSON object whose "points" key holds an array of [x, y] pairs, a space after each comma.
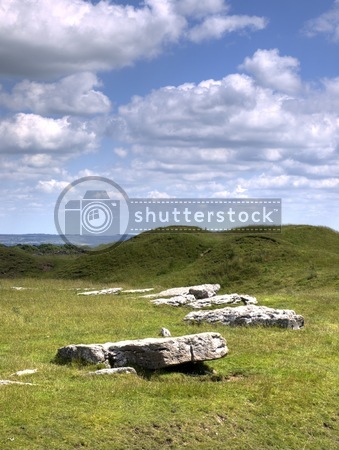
{"points": [[151, 353], [249, 315]]}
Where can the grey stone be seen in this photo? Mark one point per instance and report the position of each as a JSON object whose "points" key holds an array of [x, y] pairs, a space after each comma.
{"points": [[25, 372], [178, 300], [117, 370], [249, 315], [136, 291], [165, 332], [190, 301], [88, 354], [151, 353], [5, 382], [101, 292], [200, 291], [204, 290]]}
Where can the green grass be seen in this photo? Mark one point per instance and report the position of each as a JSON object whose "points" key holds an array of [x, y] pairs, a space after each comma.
{"points": [[298, 258], [277, 389]]}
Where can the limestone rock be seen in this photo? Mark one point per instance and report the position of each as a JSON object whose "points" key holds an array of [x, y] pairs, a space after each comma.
{"points": [[113, 371], [158, 353], [137, 291], [101, 292], [5, 382], [249, 315], [178, 300], [200, 291], [204, 290], [151, 353], [190, 301], [165, 332], [88, 354], [20, 373]]}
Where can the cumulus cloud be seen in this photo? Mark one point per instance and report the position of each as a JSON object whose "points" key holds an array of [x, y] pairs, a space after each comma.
{"points": [[274, 71], [50, 37], [326, 24], [31, 133], [214, 27], [51, 186], [74, 94], [197, 133]]}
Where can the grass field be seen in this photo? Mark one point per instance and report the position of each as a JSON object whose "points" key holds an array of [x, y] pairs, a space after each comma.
{"points": [[277, 389]]}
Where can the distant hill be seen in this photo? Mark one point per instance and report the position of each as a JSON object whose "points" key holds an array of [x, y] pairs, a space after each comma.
{"points": [[301, 256]]}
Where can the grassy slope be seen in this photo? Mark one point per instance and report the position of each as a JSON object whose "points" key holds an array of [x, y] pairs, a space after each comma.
{"points": [[277, 389], [301, 256]]}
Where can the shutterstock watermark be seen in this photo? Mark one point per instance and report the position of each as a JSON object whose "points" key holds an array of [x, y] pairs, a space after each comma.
{"points": [[95, 210]]}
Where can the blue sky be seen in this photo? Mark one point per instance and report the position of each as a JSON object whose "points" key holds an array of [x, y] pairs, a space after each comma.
{"points": [[170, 98]]}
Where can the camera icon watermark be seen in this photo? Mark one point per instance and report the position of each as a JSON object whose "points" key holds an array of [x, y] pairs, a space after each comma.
{"points": [[96, 213], [92, 213]]}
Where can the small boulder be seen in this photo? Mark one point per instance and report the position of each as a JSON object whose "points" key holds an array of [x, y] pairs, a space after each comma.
{"points": [[165, 332], [204, 290], [88, 354]]}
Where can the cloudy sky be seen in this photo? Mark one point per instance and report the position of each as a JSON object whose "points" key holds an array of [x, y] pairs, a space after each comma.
{"points": [[169, 98]]}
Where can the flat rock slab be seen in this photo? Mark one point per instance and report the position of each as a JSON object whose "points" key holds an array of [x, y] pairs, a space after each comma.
{"points": [[20, 373], [200, 291], [137, 291], [118, 370], [151, 353], [249, 315], [190, 300], [6, 382], [101, 292]]}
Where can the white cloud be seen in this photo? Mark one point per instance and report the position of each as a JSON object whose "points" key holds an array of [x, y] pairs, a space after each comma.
{"points": [[233, 119], [198, 8], [51, 37], [274, 71], [157, 194], [327, 24], [236, 136], [51, 186], [31, 133], [74, 94], [121, 152], [214, 27]]}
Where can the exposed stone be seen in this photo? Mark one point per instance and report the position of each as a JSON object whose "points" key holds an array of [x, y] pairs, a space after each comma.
{"points": [[249, 315], [113, 371], [136, 291], [190, 301], [25, 372], [204, 291], [88, 354], [165, 332], [5, 382], [200, 291], [149, 353], [178, 300], [101, 292]]}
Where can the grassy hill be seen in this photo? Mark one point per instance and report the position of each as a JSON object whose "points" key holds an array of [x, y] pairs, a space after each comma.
{"points": [[299, 257], [275, 390]]}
